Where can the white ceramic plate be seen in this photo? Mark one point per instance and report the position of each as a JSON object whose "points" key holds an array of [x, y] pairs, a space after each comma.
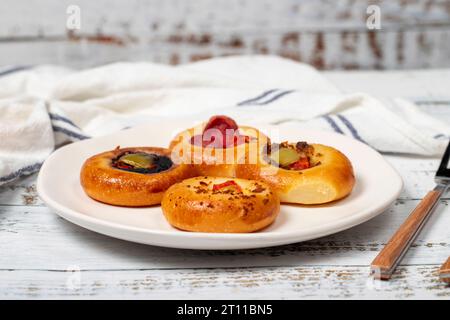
{"points": [[377, 186]]}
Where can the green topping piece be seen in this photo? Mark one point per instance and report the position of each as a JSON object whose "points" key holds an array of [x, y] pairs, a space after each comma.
{"points": [[285, 156], [139, 160]]}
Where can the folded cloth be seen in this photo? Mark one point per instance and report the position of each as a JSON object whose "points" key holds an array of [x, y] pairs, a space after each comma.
{"points": [[45, 107]]}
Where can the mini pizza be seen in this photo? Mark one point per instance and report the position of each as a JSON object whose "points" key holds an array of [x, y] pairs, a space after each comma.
{"points": [[302, 173], [131, 176], [215, 147], [223, 205]]}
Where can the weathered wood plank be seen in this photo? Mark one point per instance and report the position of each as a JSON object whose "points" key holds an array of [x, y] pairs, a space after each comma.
{"points": [[86, 52], [329, 35], [20, 192], [36, 238], [417, 174], [219, 15], [337, 282]]}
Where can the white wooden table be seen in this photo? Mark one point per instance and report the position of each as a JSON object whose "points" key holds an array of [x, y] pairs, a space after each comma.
{"points": [[43, 256]]}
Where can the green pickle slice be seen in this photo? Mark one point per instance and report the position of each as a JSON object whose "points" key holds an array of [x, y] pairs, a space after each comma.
{"points": [[285, 156], [138, 160]]}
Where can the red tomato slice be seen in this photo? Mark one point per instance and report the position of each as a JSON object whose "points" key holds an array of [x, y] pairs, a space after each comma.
{"points": [[302, 163], [227, 184]]}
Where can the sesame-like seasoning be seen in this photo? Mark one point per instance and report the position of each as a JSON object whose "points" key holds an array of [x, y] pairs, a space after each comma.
{"points": [[258, 189]]}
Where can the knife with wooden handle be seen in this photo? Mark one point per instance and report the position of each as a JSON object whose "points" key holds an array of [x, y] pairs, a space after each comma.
{"points": [[444, 271], [387, 260]]}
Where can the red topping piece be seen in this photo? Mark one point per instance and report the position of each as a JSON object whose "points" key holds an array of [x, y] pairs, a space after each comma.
{"points": [[222, 132], [302, 163], [221, 123], [123, 166], [227, 184]]}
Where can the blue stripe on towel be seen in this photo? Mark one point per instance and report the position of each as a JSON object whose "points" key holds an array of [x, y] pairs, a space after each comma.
{"points": [[278, 96], [57, 117], [333, 124], [14, 69], [351, 128], [255, 99], [21, 172], [441, 136], [70, 133]]}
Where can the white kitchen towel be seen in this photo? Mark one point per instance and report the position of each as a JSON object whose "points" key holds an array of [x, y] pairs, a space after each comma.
{"points": [[42, 108]]}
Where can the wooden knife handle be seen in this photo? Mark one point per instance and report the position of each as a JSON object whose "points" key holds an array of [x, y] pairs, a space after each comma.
{"points": [[386, 261], [444, 271]]}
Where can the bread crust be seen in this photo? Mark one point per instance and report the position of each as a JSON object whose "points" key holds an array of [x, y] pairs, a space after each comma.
{"points": [[110, 185], [216, 162], [193, 205], [330, 180]]}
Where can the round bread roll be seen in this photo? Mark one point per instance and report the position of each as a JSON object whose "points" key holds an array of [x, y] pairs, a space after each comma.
{"points": [[320, 175], [212, 204], [131, 176], [215, 147]]}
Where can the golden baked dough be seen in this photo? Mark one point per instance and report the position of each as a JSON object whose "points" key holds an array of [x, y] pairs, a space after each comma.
{"points": [[330, 178], [212, 204], [106, 183], [217, 161]]}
